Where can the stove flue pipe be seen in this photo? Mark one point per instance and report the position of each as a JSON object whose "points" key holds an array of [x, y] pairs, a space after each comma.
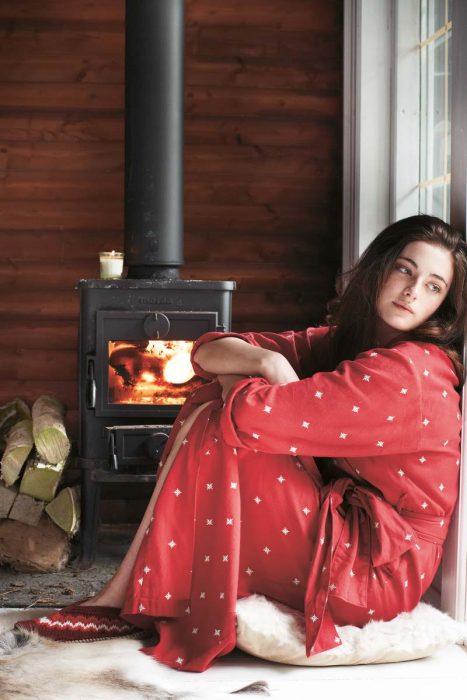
{"points": [[154, 138]]}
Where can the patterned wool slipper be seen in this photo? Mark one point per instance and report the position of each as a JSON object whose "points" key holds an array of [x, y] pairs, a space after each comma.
{"points": [[77, 623]]}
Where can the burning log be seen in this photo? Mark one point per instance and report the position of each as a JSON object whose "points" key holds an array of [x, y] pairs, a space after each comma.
{"points": [[19, 445], [28, 548], [65, 510], [41, 479], [49, 431]]}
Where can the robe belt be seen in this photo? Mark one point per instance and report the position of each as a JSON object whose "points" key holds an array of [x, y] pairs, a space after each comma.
{"points": [[373, 533]]}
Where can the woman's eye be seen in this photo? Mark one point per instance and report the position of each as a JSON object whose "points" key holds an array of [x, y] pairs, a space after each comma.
{"points": [[403, 269], [434, 287]]}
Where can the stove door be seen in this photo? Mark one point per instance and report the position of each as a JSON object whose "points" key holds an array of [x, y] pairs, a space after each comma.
{"points": [[142, 362]]}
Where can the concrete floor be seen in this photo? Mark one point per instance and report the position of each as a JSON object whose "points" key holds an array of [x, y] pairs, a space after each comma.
{"points": [[69, 585]]}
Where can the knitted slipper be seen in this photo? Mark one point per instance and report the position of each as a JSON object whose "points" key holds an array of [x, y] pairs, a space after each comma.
{"points": [[77, 623]]}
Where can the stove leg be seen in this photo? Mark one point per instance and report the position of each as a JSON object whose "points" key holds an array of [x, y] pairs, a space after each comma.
{"points": [[91, 492]]}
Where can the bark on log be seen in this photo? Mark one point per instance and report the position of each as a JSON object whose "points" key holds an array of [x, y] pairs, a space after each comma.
{"points": [[49, 429], [19, 445], [33, 549]]}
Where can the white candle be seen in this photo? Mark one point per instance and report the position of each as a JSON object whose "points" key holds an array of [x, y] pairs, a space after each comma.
{"points": [[111, 265]]}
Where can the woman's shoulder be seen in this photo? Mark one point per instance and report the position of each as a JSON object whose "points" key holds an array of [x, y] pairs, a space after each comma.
{"points": [[426, 359]]}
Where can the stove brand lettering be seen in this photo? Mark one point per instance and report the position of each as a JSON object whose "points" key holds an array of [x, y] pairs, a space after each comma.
{"points": [[160, 301]]}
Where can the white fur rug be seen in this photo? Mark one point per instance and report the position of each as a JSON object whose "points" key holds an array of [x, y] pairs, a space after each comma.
{"points": [[111, 670]]}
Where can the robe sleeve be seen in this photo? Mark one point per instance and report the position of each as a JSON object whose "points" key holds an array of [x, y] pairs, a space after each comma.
{"points": [[369, 406], [298, 347]]}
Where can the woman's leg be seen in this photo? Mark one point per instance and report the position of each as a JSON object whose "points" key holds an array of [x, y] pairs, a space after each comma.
{"points": [[113, 592]]}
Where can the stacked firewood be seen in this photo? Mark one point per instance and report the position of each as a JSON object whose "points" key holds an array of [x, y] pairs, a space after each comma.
{"points": [[37, 519]]}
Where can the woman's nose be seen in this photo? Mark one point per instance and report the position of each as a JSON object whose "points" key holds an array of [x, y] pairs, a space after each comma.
{"points": [[410, 292]]}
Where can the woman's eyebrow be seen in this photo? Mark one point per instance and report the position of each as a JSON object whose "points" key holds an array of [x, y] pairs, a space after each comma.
{"points": [[432, 274]]}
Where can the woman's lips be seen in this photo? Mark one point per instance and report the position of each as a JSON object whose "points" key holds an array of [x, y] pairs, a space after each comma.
{"points": [[404, 308]]}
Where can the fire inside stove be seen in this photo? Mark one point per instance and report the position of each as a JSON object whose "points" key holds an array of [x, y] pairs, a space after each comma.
{"points": [[154, 372]]}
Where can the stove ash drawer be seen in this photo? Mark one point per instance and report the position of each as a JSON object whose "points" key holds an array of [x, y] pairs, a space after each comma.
{"points": [[136, 448]]}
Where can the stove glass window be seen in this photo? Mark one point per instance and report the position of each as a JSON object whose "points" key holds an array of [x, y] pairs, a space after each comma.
{"points": [[154, 372]]}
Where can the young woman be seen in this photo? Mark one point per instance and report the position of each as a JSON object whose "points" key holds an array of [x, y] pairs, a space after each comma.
{"points": [[241, 506]]}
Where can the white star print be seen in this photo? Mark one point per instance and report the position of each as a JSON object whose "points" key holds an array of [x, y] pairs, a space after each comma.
{"points": [[403, 391], [141, 607], [321, 541], [209, 521], [427, 352], [177, 492], [305, 424], [422, 459], [172, 544], [255, 435], [426, 372], [293, 449], [209, 487], [185, 442], [408, 536], [208, 452], [146, 569], [355, 409], [221, 596], [179, 660], [188, 610], [202, 594], [445, 443], [267, 409], [343, 436], [351, 573], [296, 581], [422, 576], [332, 586], [347, 544], [225, 557], [285, 531], [323, 569], [424, 504], [406, 584], [195, 630], [441, 523], [280, 478], [425, 422], [217, 633], [257, 499], [444, 394], [266, 550], [229, 521], [319, 395], [370, 611], [366, 377], [207, 557], [390, 418], [441, 487], [380, 443], [306, 510], [376, 524], [313, 618], [233, 484], [168, 596], [249, 571], [140, 581], [234, 450], [401, 472]]}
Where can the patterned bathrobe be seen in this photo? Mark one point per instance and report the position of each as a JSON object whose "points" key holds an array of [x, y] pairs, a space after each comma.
{"points": [[245, 508]]}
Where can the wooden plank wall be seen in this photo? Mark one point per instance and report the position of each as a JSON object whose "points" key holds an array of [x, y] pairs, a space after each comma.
{"points": [[262, 166]]}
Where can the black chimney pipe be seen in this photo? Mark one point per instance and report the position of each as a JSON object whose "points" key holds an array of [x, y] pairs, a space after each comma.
{"points": [[154, 138]]}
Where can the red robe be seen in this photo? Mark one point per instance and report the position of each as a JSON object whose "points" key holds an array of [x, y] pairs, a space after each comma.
{"points": [[245, 509]]}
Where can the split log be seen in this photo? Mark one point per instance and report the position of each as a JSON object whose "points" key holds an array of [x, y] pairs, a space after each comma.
{"points": [[19, 445], [33, 549], [26, 510], [40, 479], [65, 510], [49, 430], [11, 413], [7, 497]]}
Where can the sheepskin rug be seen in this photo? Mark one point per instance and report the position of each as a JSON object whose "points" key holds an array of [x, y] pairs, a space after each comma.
{"points": [[37, 669]]}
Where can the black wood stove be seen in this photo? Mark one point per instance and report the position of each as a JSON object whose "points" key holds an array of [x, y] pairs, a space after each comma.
{"points": [[136, 334]]}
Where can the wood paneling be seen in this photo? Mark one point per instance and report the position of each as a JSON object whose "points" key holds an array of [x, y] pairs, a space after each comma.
{"points": [[262, 167]]}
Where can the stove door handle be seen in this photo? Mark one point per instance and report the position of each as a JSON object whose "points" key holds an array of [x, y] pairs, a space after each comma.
{"points": [[156, 325], [91, 386]]}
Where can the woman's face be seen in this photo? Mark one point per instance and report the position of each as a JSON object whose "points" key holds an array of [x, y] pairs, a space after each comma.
{"points": [[417, 285]]}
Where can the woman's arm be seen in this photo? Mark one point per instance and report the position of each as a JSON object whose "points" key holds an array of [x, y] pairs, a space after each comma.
{"points": [[235, 356]]}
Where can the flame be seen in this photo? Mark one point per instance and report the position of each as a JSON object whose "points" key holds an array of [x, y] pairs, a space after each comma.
{"points": [[155, 372]]}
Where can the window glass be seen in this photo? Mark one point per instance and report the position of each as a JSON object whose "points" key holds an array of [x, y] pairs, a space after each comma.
{"points": [[435, 107]]}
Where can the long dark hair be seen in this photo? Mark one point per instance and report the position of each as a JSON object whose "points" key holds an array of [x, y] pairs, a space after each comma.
{"points": [[353, 311]]}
